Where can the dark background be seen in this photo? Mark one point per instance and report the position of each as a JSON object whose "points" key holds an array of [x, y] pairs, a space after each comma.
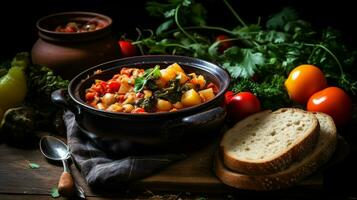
{"points": [[18, 18]]}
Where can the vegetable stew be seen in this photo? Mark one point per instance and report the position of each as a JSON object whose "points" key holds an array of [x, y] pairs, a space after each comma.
{"points": [[135, 90]]}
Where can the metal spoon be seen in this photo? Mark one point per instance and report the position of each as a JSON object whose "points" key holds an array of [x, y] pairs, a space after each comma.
{"points": [[54, 149]]}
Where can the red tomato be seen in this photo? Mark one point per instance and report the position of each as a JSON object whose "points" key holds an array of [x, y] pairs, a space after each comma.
{"points": [[228, 96], [121, 98], [223, 45], [139, 95], [99, 89], [241, 105], [138, 110], [127, 48], [70, 29], [304, 81], [90, 96], [103, 84], [113, 86], [214, 87], [334, 102]]}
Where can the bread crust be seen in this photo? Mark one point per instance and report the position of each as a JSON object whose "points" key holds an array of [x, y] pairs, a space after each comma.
{"points": [[280, 161], [285, 178]]}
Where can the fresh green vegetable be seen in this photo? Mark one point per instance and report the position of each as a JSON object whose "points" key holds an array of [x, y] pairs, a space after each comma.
{"points": [[42, 81], [19, 125], [13, 83], [148, 103], [149, 75], [173, 92], [259, 57]]}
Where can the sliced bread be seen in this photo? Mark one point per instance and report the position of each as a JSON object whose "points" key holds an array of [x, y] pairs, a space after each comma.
{"points": [[269, 142], [298, 170]]}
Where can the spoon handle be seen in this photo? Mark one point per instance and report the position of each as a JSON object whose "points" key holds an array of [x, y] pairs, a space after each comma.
{"points": [[65, 185]]}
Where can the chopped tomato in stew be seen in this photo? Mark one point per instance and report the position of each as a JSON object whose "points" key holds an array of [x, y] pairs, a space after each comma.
{"points": [[135, 90]]}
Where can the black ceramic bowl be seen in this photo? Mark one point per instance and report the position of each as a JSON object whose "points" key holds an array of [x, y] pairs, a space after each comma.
{"points": [[152, 129]]}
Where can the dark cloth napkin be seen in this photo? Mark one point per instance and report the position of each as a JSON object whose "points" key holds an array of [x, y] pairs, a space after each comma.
{"points": [[101, 168]]}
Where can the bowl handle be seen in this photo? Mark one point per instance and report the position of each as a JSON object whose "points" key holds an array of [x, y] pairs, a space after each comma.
{"points": [[60, 97]]}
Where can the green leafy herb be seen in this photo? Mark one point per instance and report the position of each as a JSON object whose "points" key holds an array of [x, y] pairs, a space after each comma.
{"points": [[34, 165], [172, 93], [148, 103], [42, 81], [54, 192], [268, 90], [242, 62], [150, 74], [261, 56]]}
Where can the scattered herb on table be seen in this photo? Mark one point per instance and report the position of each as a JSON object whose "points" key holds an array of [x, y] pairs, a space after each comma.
{"points": [[54, 192], [259, 56], [34, 165]]}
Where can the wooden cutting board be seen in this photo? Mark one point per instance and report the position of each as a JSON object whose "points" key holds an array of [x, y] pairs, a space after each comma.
{"points": [[196, 174]]}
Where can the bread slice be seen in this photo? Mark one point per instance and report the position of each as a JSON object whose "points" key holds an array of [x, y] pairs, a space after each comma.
{"points": [[298, 170], [269, 142]]}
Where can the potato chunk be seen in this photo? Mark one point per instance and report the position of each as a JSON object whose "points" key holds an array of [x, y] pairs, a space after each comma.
{"points": [[175, 67], [182, 76], [124, 88], [108, 99], [206, 94], [167, 74], [190, 98], [163, 105]]}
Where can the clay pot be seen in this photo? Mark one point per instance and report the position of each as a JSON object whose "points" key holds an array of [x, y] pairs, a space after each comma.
{"points": [[70, 53]]}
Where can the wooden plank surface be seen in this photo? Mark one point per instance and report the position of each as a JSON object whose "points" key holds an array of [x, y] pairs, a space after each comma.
{"points": [[193, 174]]}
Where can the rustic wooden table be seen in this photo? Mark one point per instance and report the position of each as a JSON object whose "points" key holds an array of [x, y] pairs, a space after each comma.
{"points": [[191, 178]]}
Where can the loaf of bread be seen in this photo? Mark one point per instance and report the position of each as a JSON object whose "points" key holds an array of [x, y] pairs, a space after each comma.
{"points": [[296, 171], [269, 142]]}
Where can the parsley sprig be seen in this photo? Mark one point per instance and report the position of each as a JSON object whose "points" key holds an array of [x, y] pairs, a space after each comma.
{"points": [[150, 74]]}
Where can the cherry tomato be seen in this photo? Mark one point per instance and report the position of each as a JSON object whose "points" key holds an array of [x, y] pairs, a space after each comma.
{"points": [[223, 45], [334, 102], [241, 105], [304, 81], [228, 96], [127, 48]]}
